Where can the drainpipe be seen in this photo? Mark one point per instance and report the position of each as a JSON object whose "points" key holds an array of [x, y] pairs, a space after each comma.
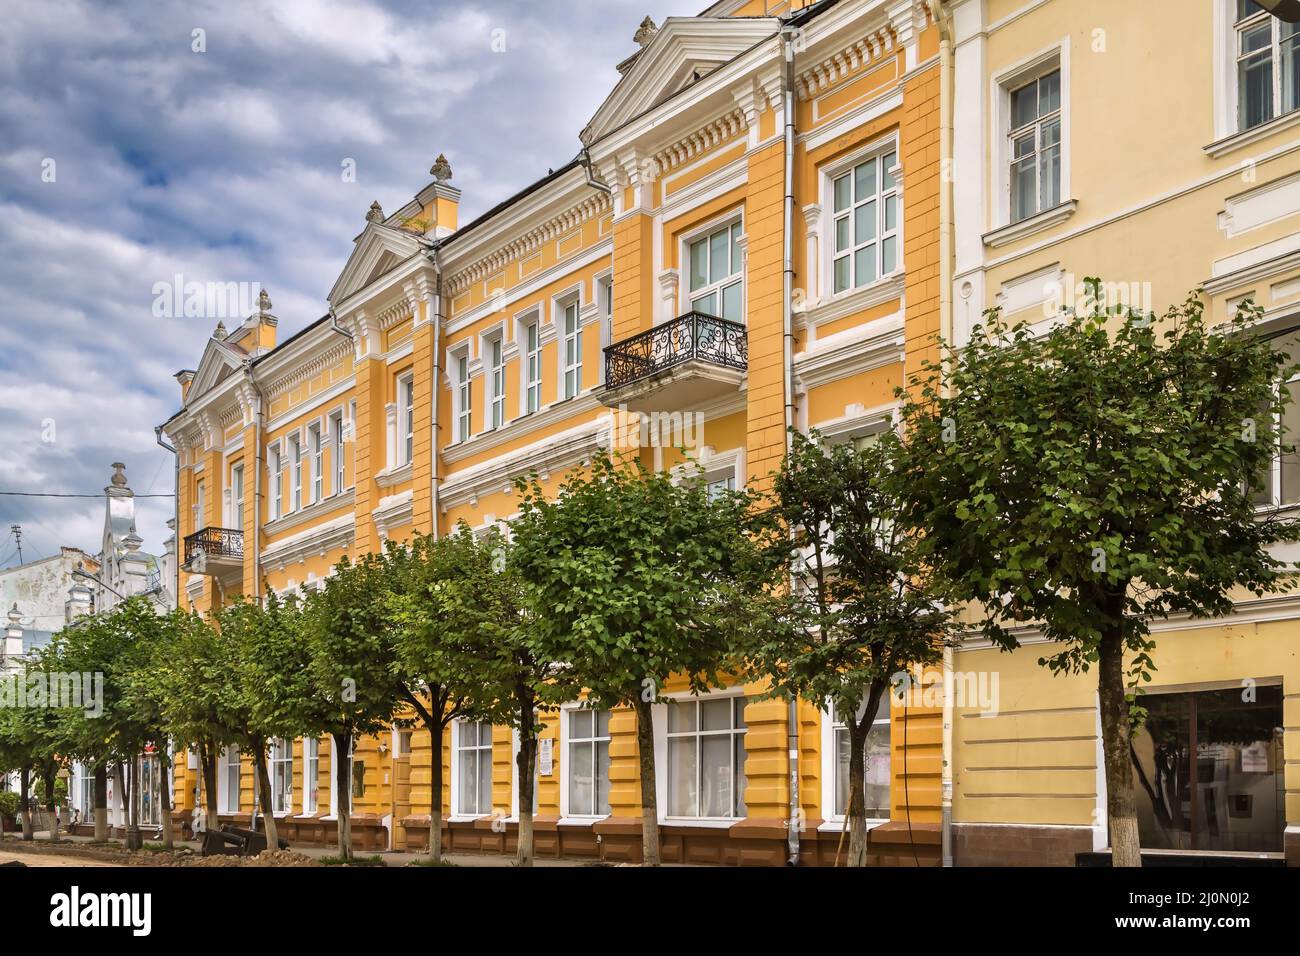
{"points": [[437, 385], [176, 512], [257, 482], [943, 18], [787, 346], [594, 181]]}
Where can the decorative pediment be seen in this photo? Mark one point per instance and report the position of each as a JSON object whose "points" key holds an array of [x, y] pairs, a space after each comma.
{"points": [[219, 362], [684, 50], [378, 250]]}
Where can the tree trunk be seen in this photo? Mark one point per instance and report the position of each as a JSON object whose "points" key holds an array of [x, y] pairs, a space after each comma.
{"points": [[25, 795], [120, 779], [208, 766], [343, 792], [49, 776], [526, 760], [435, 803], [856, 812], [645, 740], [264, 797], [1121, 805], [101, 803], [165, 795], [133, 839]]}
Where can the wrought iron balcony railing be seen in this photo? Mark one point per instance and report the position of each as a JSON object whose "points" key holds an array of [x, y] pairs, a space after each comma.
{"points": [[690, 336], [215, 543]]}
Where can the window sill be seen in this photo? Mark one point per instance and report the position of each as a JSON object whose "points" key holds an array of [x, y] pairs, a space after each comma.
{"points": [[842, 304], [837, 824], [1034, 224], [704, 823], [1230, 144], [467, 817], [307, 513], [579, 821], [395, 475]]}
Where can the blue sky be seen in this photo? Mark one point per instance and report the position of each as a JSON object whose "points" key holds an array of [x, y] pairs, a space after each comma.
{"points": [[126, 158]]}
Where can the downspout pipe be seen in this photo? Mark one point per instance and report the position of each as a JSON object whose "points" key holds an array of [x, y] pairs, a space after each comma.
{"points": [[943, 18], [258, 452], [787, 366], [594, 181], [438, 318]]}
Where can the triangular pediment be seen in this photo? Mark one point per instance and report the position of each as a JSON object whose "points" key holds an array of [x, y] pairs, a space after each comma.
{"points": [[378, 250], [219, 362], [684, 50]]}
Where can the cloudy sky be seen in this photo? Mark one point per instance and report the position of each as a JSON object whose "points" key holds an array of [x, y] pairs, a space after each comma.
{"points": [[127, 157]]}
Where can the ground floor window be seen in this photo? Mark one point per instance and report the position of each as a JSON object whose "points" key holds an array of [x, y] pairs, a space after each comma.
{"points": [[588, 762], [228, 782], [877, 763], [706, 757], [474, 768], [310, 773], [148, 790], [1208, 769], [84, 795], [281, 776]]}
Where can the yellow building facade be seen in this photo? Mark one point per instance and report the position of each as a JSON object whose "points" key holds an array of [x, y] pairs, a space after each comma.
{"points": [[851, 181]]}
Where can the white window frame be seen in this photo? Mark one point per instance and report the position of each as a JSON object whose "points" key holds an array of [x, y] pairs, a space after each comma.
{"points": [[310, 776], [734, 223], [530, 367], [830, 765], [495, 348], [462, 395], [277, 480], [228, 763], [200, 492], [337, 445], [570, 372], [405, 418], [878, 151], [1232, 67], [604, 295], [457, 746], [280, 768], [1056, 57], [237, 490], [566, 762], [662, 736], [1276, 498], [315, 452], [295, 476]]}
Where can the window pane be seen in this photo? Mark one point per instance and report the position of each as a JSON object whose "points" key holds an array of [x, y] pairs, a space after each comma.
{"points": [[841, 273], [739, 702], [707, 304], [1255, 82], [1290, 75], [715, 714], [485, 781], [1050, 178], [864, 223], [682, 798], [739, 743], [864, 265], [1049, 94], [1024, 105], [731, 303], [889, 255], [699, 263], [1023, 188], [842, 240], [877, 785], [602, 723], [1291, 439], [864, 180], [602, 777], [719, 256], [735, 249], [681, 716], [842, 198], [841, 772], [582, 783], [716, 780], [580, 723], [891, 213], [886, 177]]}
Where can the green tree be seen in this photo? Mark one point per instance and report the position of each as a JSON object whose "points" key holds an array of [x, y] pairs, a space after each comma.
{"points": [[861, 606], [353, 674], [1095, 477], [635, 578], [21, 751]]}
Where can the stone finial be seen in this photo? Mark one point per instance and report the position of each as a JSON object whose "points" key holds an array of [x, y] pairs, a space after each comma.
{"points": [[376, 213], [219, 333], [441, 169], [15, 618], [119, 475], [132, 542], [646, 32], [263, 302]]}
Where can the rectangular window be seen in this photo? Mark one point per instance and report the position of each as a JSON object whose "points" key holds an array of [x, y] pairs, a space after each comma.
{"points": [[85, 791], [720, 486], [706, 757], [310, 774], [462, 398], [1279, 484], [1209, 768], [532, 368], [316, 450], [199, 505], [405, 419], [588, 762], [474, 768], [497, 382], [237, 496], [1035, 146], [1268, 81], [277, 482], [877, 763], [295, 476], [281, 771], [572, 350], [865, 225], [336, 451], [230, 779], [716, 283]]}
